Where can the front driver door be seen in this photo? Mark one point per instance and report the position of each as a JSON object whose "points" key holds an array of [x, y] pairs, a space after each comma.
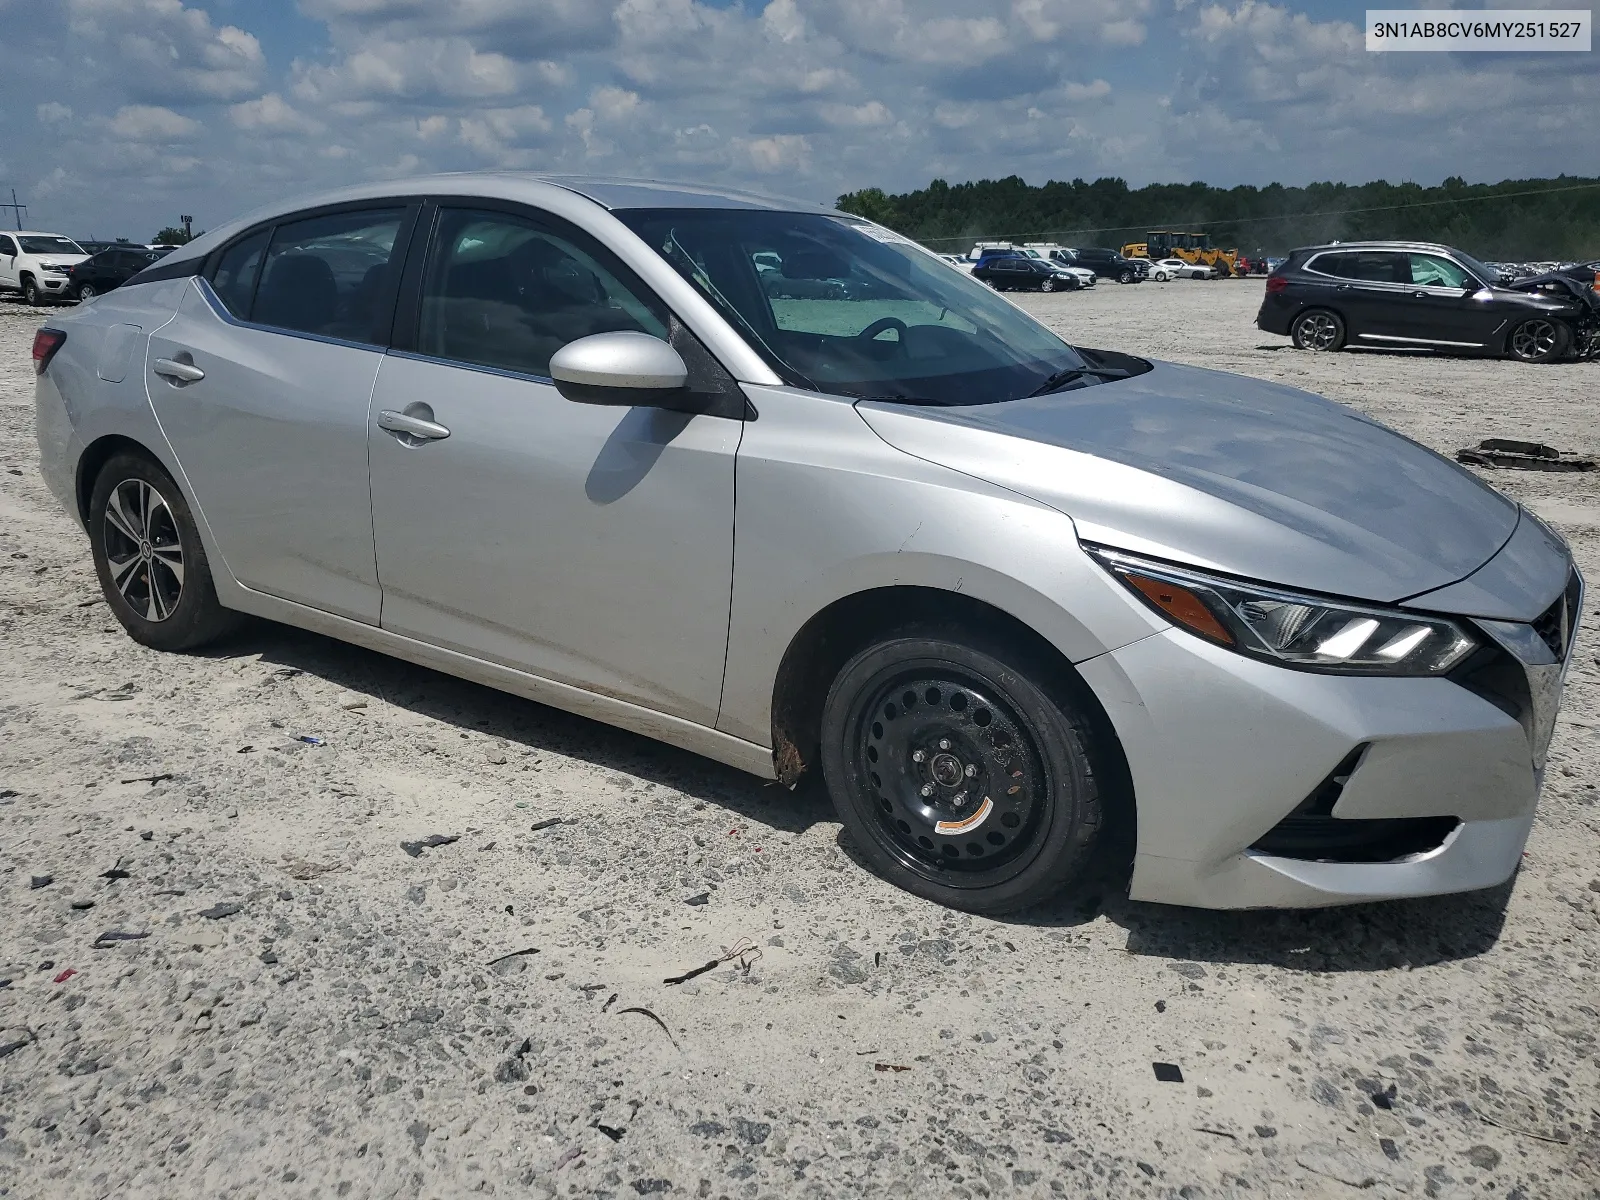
{"points": [[588, 545], [1443, 307]]}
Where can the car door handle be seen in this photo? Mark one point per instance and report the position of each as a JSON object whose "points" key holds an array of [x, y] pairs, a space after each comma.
{"points": [[1419, 295], [171, 368], [398, 422]]}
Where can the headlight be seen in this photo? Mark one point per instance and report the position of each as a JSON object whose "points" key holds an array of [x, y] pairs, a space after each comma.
{"points": [[1308, 632]]}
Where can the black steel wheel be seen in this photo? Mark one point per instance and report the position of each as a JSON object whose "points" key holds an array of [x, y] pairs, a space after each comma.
{"points": [[961, 778], [1539, 340], [148, 555], [1317, 329]]}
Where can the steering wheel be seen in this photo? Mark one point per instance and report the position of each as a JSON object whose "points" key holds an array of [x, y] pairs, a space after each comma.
{"points": [[871, 332]]}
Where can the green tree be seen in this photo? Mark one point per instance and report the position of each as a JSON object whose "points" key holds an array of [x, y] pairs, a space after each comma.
{"points": [[172, 235]]}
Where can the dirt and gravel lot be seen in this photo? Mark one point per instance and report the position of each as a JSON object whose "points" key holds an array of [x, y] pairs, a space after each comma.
{"points": [[310, 1010]]}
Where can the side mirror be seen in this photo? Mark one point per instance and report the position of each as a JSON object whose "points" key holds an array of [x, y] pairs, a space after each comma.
{"points": [[623, 370]]}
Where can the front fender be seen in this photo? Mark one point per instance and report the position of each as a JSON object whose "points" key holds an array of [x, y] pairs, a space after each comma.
{"points": [[826, 509]]}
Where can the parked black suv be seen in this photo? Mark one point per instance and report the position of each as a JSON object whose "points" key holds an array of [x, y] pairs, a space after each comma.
{"points": [[1110, 264], [109, 269], [1019, 272], [1411, 295]]}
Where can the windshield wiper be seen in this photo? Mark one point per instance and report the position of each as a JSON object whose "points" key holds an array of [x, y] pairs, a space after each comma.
{"points": [[1061, 378]]}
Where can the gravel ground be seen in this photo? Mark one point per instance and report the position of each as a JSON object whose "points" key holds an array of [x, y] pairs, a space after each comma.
{"points": [[310, 1010]]}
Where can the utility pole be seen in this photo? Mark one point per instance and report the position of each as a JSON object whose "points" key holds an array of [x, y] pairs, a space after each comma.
{"points": [[16, 209]]}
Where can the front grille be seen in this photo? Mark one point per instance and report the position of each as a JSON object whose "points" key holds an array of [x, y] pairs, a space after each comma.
{"points": [[1558, 623], [1312, 833]]}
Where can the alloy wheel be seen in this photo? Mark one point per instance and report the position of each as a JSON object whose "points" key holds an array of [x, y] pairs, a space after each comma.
{"points": [[1319, 331], [87, 292], [959, 785], [143, 550], [1535, 340]]}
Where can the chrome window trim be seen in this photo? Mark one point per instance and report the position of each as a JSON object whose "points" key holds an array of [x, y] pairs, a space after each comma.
{"points": [[221, 310], [462, 364]]}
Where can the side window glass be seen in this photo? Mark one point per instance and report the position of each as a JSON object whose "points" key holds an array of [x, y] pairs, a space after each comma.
{"points": [[234, 279], [503, 291], [329, 275], [8, 248], [1433, 271], [1329, 264]]}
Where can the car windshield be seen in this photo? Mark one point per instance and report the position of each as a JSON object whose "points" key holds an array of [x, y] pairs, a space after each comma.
{"points": [[49, 244], [1484, 272], [841, 306]]}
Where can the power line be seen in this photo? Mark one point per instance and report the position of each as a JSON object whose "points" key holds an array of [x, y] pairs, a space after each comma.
{"points": [[1332, 212]]}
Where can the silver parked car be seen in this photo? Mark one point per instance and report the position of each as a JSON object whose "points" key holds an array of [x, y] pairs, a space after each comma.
{"points": [[773, 484]]}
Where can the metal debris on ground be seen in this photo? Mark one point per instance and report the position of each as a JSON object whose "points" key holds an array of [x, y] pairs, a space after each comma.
{"points": [[66, 975], [152, 780], [1167, 1072], [548, 823], [744, 950], [697, 901], [1385, 1099], [41, 881], [609, 1002], [645, 1012], [1520, 455], [882, 1067], [614, 1134], [116, 872], [217, 911], [81, 905], [112, 936], [309, 740], [526, 950], [415, 849]]}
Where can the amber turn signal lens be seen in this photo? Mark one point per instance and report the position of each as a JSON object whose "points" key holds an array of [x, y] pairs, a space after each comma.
{"points": [[1183, 606]]}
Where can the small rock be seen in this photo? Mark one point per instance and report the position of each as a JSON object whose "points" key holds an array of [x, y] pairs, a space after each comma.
{"points": [[1390, 1150], [39, 881], [1266, 1131], [753, 1132], [1485, 1158], [217, 911], [419, 1131], [269, 957], [1189, 970], [146, 834], [80, 905]]}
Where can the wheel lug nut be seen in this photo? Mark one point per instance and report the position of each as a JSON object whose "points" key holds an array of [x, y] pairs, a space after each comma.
{"points": [[944, 743], [927, 790], [971, 771], [918, 756]]}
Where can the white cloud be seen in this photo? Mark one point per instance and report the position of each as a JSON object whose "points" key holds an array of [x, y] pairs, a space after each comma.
{"points": [[152, 123], [52, 113], [272, 114], [163, 50]]}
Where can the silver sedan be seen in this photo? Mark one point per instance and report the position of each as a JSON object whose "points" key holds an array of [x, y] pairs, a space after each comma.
{"points": [[771, 483]]}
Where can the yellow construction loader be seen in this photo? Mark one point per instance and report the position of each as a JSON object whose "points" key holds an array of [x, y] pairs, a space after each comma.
{"points": [[1191, 247]]}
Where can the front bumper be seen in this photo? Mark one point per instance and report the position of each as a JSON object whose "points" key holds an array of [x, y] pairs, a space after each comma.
{"points": [[1224, 750]]}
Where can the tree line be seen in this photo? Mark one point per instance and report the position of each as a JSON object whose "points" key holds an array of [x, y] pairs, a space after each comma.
{"points": [[1516, 220]]}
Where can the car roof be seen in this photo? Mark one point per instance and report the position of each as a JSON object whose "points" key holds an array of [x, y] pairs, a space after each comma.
{"points": [[36, 233], [610, 193], [1380, 245]]}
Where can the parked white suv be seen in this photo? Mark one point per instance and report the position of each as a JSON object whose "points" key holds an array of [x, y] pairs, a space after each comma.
{"points": [[35, 264]]}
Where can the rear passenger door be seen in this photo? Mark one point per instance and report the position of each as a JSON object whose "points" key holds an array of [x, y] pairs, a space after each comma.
{"points": [[1369, 289], [262, 381]]}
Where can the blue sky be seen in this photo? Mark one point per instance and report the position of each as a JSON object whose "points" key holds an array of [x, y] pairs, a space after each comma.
{"points": [[120, 114]]}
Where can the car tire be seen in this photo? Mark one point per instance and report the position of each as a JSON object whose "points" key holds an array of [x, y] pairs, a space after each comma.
{"points": [[1318, 329], [149, 558], [1006, 754], [1539, 340], [87, 291], [1126, 276], [1160, 277], [31, 295], [1047, 284]]}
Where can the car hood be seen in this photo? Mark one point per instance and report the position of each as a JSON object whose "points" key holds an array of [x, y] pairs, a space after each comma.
{"points": [[1226, 473]]}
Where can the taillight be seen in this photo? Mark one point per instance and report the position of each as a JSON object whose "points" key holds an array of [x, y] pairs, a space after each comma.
{"points": [[1276, 283], [45, 344]]}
